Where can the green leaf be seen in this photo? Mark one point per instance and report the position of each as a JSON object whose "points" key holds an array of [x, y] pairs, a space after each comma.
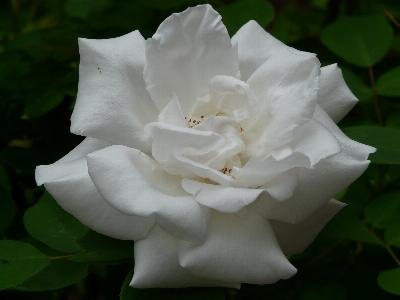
{"points": [[162, 4], [46, 250], [52, 225], [386, 140], [80, 8], [237, 14], [346, 226], [59, 274], [393, 120], [98, 247], [341, 194], [18, 262], [392, 232], [390, 281], [360, 40], [359, 89], [42, 103], [380, 211], [129, 293], [389, 83], [326, 291]]}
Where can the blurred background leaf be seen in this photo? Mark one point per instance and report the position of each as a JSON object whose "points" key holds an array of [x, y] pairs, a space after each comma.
{"points": [[361, 40]]}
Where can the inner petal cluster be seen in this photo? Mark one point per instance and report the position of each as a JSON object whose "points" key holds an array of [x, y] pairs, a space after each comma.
{"points": [[210, 135]]}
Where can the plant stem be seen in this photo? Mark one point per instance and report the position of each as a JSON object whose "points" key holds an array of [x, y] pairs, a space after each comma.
{"points": [[388, 248], [60, 257], [375, 95], [391, 18]]}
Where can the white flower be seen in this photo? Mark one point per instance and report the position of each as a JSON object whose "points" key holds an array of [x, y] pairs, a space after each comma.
{"points": [[217, 156]]}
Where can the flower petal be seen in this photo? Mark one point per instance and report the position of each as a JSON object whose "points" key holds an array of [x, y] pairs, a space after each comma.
{"points": [[227, 199], [231, 146], [313, 140], [256, 46], [172, 113], [295, 238], [135, 184], [222, 198], [69, 183], [88, 145], [185, 167], [187, 50], [234, 98], [157, 266], [318, 185], [334, 96], [172, 139], [286, 86], [256, 173], [237, 250], [112, 102], [283, 186]]}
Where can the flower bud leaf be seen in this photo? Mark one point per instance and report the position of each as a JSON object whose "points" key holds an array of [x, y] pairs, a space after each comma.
{"points": [[390, 281], [361, 40], [19, 261], [52, 225]]}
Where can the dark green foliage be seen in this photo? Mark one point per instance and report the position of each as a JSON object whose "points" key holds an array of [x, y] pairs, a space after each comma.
{"points": [[383, 139], [47, 254], [361, 40], [19, 261], [50, 224], [237, 14], [389, 83], [128, 293]]}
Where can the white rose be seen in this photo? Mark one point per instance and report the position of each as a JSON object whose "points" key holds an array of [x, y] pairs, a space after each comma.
{"points": [[217, 156]]}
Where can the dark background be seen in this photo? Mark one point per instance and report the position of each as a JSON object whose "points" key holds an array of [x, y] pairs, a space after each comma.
{"points": [[39, 62]]}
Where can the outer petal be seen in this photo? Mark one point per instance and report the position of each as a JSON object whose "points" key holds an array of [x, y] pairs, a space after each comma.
{"points": [[286, 86], [69, 183], [230, 200], [237, 250], [222, 198], [87, 146], [334, 96], [256, 173], [157, 266], [112, 102], [256, 46], [313, 140], [135, 184], [283, 186], [318, 185], [187, 50], [295, 238]]}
